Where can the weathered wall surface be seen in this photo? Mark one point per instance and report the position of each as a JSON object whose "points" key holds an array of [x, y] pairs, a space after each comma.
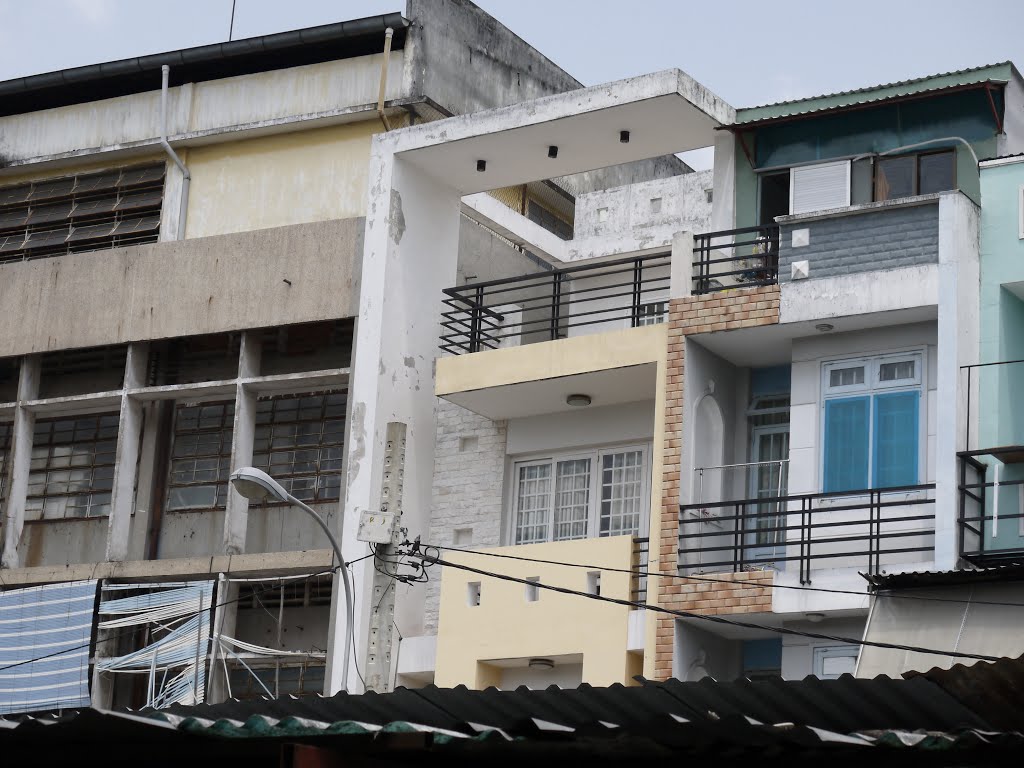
{"points": [[893, 236], [205, 285], [466, 60], [466, 498], [273, 181]]}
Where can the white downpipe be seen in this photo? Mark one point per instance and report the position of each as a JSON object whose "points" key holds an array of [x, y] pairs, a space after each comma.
{"points": [[995, 501], [388, 34], [186, 176]]}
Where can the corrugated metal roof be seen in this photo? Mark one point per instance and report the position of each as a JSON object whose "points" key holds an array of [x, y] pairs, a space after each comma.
{"points": [[914, 579], [998, 73], [993, 691]]}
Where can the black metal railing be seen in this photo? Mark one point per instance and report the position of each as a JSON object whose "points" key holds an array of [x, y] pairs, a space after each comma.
{"points": [[638, 583], [543, 307], [1001, 376], [737, 258], [812, 531], [985, 474]]}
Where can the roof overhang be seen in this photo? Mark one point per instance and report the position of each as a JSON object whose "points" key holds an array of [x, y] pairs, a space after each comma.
{"points": [[664, 112]]}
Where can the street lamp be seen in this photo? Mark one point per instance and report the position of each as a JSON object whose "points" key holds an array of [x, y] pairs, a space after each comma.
{"points": [[256, 485]]}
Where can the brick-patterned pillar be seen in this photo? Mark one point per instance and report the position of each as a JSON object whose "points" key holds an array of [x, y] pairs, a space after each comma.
{"points": [[751, 592]]}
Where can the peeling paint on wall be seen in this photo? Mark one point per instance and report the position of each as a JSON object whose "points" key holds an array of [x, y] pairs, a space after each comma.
{"points": [[396, 218]]}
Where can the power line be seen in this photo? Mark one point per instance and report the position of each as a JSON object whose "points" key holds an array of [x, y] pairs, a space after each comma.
{"points": [[703, 617], [712, 579]]}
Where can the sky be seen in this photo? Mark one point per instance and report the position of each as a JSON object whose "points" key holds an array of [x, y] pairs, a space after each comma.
{"points": [[749, 52]]}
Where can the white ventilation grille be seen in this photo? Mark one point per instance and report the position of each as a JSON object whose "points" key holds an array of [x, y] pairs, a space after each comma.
{"points": [[819, 187]]}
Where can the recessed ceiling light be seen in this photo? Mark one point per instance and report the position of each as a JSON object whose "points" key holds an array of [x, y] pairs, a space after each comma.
{"points": [[541, 663], [814, 618], [578, 400], [824, 327]]}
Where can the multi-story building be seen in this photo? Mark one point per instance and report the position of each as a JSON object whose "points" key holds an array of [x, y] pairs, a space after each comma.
{"points": [[181, 251], [722, 393]]}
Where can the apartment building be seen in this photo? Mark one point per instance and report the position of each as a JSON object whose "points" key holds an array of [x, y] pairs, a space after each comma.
{"points": [[761, 401], [181, 268]]}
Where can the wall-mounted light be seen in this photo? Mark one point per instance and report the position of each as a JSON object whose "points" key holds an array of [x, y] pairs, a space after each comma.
{"points": [[824, 327], [541, 664], [624, 137], [481, 166], [578, 401], [552, 151]]}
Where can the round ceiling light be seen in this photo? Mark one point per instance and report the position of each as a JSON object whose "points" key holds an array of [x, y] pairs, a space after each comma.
{"points": [[578, 401], [824, 327]]}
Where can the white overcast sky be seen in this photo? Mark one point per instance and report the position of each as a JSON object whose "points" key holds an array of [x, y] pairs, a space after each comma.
{"points": [[747, 51]]}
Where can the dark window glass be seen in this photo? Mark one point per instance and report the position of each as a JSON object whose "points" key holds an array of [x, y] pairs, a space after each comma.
{"points": [[936, 172], [72, 467], [894, 177], [200, 456], [299, 442]]}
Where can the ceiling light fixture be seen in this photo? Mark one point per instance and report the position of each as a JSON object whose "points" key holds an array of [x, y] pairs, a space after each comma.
{"points": [[824, 327], [481, 166], [541, 664], [578, 401], [624, 137], [814, 618], [552, 151]]}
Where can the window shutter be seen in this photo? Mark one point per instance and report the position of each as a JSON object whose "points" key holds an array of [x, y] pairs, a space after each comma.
{"points": [[896, 439], [818, 187], [846, 443]]}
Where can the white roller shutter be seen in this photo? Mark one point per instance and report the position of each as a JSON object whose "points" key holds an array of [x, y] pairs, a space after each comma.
{"points": [[818, 187]]}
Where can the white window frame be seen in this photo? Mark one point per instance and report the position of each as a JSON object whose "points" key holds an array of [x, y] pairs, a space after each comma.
{"points": [[873, 385], [596, 455], [821, 652]]}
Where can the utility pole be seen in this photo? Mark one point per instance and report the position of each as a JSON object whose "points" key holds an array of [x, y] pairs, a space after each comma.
{"points": [[381, 529]]}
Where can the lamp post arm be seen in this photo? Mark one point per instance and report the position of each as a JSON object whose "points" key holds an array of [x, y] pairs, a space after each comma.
{"points": [[349, 606]]}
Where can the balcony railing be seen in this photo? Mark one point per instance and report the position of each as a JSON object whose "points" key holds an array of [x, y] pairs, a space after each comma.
{"points": [[863, 529], [638, 585], [738, 258], [991, 497], [546, 306]]}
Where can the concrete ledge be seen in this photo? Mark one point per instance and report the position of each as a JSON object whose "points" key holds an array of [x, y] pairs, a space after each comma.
{"points": [[262, 564]]}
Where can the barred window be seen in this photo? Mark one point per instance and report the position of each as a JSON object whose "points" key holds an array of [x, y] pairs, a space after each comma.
{"points": [[200, 456], [290, 678], [299, 442], [5, 450], [85, 212], [72, 467]]}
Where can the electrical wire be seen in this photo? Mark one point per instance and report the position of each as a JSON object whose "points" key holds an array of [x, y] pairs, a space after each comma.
{"points": [[715, 619], [713, 580]]}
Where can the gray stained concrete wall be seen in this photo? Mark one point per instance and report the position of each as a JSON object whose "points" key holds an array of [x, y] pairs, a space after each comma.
{"points": [[295, 274], [867, 242]]}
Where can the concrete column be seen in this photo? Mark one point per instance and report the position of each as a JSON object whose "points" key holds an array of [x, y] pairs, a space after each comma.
{"points": [[225, 621], [410, 255], [20, 460], [723, 195], [126, 462], [236, 515], [681, 278], [957, 345]]}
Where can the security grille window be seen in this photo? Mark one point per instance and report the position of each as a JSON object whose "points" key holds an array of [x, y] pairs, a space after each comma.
{"points": [[872, 422], [916, 174], [299, 442], [200, 456], [5, 450], [72, 467], [599, 493], [85, 212], [302, 593]]}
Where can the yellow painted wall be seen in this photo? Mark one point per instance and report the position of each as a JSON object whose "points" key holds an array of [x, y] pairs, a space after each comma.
{"points": [[507, 626], [272, 181]]}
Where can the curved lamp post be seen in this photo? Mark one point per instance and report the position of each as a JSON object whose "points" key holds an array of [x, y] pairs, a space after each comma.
{"points": [[256, 485]]}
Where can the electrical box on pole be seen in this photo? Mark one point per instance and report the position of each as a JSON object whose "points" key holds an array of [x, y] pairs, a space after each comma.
{"points": [[380, 528]]}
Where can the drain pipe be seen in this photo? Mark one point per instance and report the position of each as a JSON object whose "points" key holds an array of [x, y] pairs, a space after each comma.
{"points": [[388, 34], [186, 176]]}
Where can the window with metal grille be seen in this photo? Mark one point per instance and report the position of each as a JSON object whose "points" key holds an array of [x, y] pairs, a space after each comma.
{"points": [[306, 347], [72, 467], [200, 456], [651, 313], [299, 442], [85, 212], [301, 593], [80, 371], [5, 450]]}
